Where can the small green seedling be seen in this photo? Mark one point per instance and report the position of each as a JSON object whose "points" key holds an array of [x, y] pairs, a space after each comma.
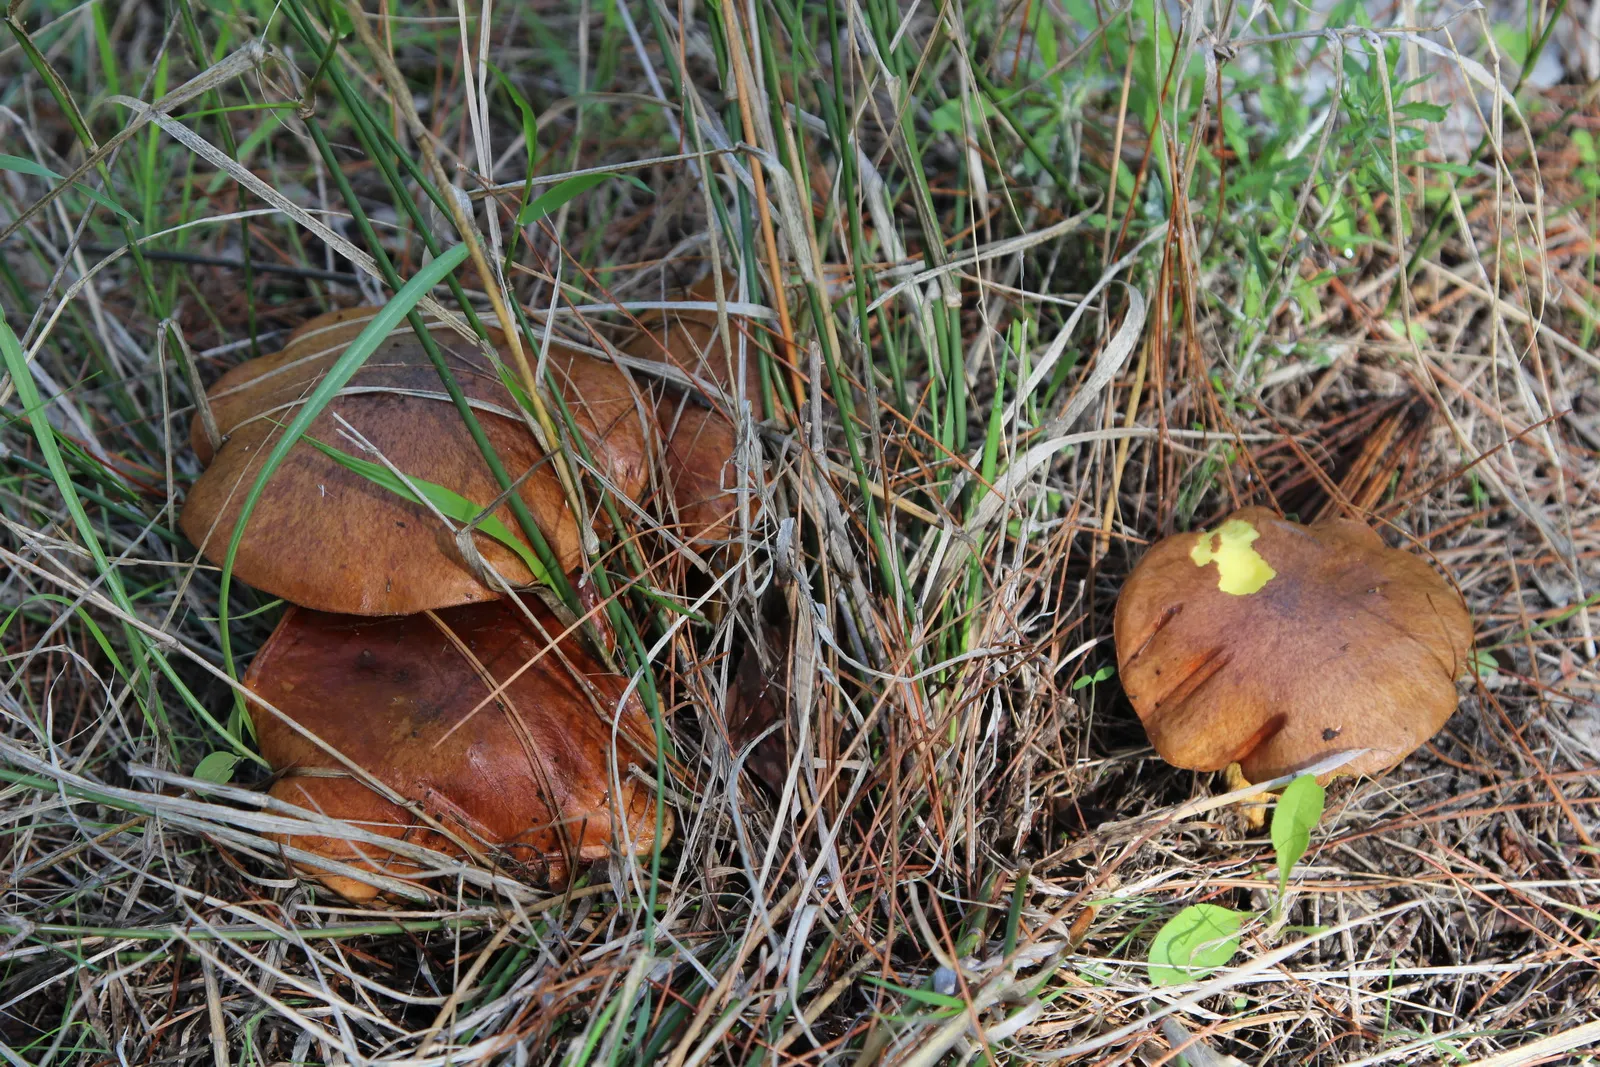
{"points": [[1483, 665], [1299, 810], [217, 767], [1193, 943], [1203, 937], [1094, 679], [547, 203]]}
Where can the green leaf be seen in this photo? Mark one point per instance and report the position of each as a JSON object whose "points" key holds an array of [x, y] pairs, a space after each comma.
{"points": [[1258, 258], [946, 118], [1094, 679], [448, 501], [217, 767], [1514, 40], [530, 120], [1193, 943], [924, 996], [1299, 810], [553, 199], [336, 378], [38, 170], [1426, 112], [1044, 36], [342, 24], [1483, 664], [1584, 142]]}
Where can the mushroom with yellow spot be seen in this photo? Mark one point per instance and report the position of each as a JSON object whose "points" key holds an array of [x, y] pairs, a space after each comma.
{"points": [[1272, 645]]}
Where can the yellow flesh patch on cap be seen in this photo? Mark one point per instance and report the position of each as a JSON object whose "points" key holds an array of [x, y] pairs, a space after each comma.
{"points": [[1240, 568]]}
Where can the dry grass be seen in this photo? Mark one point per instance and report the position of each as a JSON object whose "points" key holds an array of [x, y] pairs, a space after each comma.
{"points": [[932, 556]]}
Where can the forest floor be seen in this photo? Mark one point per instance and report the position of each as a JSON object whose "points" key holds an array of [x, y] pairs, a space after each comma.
{"points": [[1031, 284]]}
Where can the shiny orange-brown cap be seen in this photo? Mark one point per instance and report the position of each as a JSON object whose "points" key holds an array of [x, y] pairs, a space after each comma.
{"points": [[699, 446], [525, 779], [325, 537], [1274, 645], [692, 341], [698, 473]]}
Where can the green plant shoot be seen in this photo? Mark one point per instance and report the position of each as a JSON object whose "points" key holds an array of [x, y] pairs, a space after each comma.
{"points": [[450, 503], [1193, 943], [1094, 679], [553, 199], [1299, 810], [217, 767]]}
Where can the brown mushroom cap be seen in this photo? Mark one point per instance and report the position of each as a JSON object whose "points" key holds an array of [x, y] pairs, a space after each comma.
{"points": [[1273, 645], [697, 468], [328, 538], [525, 778], [692, 341], [698, 445]]}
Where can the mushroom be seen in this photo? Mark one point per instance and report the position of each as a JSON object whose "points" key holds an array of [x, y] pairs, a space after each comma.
{"points": [[699, 444], [1272, 645], [474, 732], [500, 737], [529, 775], [325, 537], [697, 456], [691, 340]]}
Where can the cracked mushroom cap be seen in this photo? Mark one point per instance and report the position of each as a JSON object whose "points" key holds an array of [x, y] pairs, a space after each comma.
{"points": [[325, 537], [526, 778], [1274, 645]]}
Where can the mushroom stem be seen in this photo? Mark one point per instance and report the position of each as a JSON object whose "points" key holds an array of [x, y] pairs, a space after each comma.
{"points": [[1255, 805]]}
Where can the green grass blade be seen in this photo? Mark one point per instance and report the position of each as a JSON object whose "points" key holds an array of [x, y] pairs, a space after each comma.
{"points": [[16, 365], [23, 165], [564, 192], [448, 501], [350, 361]]}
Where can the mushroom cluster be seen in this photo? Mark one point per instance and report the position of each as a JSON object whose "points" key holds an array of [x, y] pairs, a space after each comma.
{"points": [[412, 700], [1272, 646]]}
